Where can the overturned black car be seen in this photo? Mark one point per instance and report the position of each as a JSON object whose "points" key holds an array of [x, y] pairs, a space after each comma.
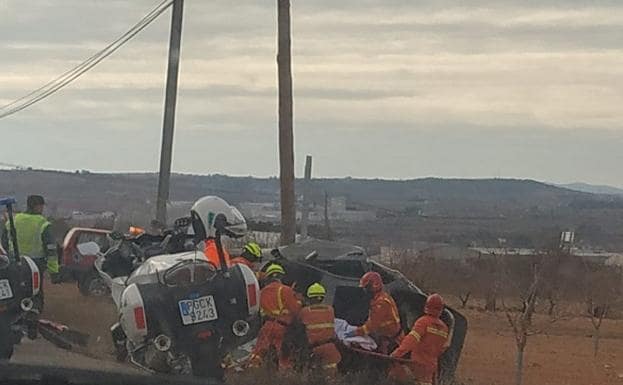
{"points": [[340, 266]]}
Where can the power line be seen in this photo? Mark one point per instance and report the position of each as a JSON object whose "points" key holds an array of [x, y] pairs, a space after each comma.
{"points": [[69, 76], [139, 26], [66, 78]]}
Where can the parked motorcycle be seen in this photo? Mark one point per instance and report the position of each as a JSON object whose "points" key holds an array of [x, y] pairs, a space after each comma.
{"points": [[128, 251], [19, 287], [179, 313]]}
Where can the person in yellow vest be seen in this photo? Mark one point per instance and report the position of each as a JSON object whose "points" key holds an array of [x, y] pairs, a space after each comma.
{"points": [[34, 238]]}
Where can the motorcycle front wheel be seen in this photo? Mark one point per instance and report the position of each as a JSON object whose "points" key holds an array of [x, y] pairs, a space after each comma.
{"points": [[7, 340]]}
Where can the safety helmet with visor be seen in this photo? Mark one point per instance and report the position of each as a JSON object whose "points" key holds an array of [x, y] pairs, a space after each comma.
{"points": [[212, 214]]}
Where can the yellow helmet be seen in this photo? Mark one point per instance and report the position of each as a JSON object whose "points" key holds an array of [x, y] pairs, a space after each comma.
{"points": [[316, 290], [274, 268], [253, 249]]}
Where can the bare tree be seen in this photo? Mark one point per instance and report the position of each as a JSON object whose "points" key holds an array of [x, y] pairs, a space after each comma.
{"points": [[422, 269], [597, 313], [464, 298], [560, 280], [602, 290], [487, 274], [552, 286], [521, 323], [458, 278]]}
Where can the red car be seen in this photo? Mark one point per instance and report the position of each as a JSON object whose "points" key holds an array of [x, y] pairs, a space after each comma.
{"points": [[76, 259]]}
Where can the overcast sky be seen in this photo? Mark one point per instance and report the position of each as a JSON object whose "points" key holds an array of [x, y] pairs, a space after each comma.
{"points": [[385, 88]]}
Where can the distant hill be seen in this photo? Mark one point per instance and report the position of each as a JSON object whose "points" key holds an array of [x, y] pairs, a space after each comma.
{"points": [[591, 188], [457, 211], [100, 192], [450, 192]]}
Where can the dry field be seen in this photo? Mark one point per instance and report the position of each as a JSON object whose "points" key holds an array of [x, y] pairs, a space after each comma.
{"points": [[560, 355]]}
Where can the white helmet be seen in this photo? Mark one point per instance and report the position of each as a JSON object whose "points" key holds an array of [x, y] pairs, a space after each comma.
{"points": [[212, 213]]}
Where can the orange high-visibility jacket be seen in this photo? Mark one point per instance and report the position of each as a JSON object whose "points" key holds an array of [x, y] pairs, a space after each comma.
{"points": [[260, 275], [426, 342], [211, 253], [383, 317], [242, 261], [319, 321], [278, 302]]}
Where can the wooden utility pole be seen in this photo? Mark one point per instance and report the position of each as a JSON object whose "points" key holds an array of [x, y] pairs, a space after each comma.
{"points": [[286, 140], [327, 221], [306, 187], [166, 151]]}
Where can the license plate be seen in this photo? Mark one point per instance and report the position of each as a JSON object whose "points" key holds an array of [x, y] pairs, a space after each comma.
{"points": [[194, 311], [5, 289]]}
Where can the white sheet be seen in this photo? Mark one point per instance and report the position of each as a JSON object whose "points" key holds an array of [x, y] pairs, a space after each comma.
{"points": [[342, 328]]}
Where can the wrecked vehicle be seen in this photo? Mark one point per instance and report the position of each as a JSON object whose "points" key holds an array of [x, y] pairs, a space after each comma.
{"points": [[81, 245], [338, 267], [76, 257]]}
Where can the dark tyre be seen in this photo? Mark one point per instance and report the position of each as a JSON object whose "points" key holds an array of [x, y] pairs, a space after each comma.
{"points": [[206, 363], [92, 285], [119, 340], [121, 353], [7, 340], [38, 302]]}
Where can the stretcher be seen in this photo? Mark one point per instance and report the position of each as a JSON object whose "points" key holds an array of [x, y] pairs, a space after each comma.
{"points": [[378, 356]]}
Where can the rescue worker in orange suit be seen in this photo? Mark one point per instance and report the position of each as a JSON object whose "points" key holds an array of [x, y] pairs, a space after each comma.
{"points": [[425, 343], [383, 322], [251, 257], [279, 307], [251, 254], [319, 322]]}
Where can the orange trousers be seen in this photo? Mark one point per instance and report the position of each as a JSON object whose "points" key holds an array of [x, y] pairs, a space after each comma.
{"points": [[413, 371], [327, 357], [270, 335]]}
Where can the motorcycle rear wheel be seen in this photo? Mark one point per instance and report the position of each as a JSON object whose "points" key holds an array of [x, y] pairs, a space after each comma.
{"points": [[206, 362]]}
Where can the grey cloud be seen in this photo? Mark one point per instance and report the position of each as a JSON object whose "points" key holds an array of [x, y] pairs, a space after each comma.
{"points": [[383, 88], [436, 4]]}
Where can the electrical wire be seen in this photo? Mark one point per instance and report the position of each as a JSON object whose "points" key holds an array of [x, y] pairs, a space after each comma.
{"points": [[141, 24], [69, 76], [66, 78]]}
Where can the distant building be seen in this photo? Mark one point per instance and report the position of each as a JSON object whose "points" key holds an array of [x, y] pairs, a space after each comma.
{"points": [[598, 256], [392, 255], [262, 212], [337, 210], [104, 219], [503, 251]]}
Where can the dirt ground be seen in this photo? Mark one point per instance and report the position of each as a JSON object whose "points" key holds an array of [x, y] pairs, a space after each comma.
{"points": [[562, 354], [65, 304]]}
